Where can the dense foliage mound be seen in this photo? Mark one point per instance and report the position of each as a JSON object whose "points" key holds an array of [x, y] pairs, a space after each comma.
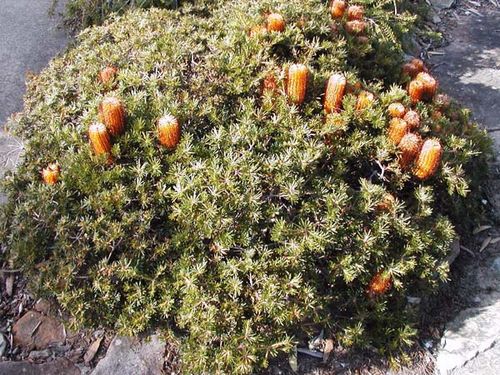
{"points": [[268, 219]]}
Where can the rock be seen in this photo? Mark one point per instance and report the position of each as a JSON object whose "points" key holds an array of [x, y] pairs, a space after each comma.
{"points": [[132, 356], [42, 306], [472, 332], [37, 331], [442, 4], [58, 366]]}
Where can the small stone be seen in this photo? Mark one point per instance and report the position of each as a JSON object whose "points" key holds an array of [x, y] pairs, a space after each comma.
{"points": [[37, 331], [413, 300], [496, 266], [132, 356], [37, 355]]}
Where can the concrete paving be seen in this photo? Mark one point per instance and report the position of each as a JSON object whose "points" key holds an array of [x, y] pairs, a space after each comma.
{"points": [[29, 38], [469, 70]]}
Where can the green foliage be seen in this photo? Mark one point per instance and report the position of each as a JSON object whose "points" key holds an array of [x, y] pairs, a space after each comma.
{"points": [[80, 14], [263, 224]]}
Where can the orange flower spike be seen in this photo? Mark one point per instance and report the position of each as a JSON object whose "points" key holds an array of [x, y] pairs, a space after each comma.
{"points": [[379, 284], [410, 147], [396, 110], [355, 12], [296, 86], [365, 100], [386, 203], [107, 74], [112, 114], [416, 90], [397, 130], [429, 159], [355, 27], [430, 84], [275, 22], [50, 174], [410, 70], [414, 67], [169, 131], [269, 84], [412, 118], [338, 8], [257, 31], [100, 139], [334, 93], [419, 65]]}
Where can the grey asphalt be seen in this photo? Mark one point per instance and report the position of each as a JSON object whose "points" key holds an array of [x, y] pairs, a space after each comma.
{"points": [[29, 38]]}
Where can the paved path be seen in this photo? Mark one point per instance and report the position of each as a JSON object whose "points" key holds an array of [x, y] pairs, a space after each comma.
{"points": [[469, 70], [29, 38]]}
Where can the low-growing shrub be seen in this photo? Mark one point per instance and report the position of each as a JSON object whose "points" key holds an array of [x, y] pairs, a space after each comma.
{"points": [[231, 208]]}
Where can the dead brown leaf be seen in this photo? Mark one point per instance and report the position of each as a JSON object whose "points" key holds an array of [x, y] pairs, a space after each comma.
{"points": [[92, 350], [9, 285], [480, 229], [485, 244], [328, 350]]}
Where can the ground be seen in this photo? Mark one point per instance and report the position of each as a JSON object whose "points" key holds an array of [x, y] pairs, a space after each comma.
{"points": [[462, 328]]}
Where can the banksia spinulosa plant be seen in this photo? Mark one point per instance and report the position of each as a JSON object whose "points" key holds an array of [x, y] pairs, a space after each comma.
{"points": [[107, 74], [296, 85], [379, 284], [337, 8], [386, 204], [430, 84], [50, 174], [365, 100], [275, 22], [169, 131], [355, 12], [100, 139], [429, 159], [410, 147], [412, 118], [112, 114], [397, 129], [334, 93], [355, 27], [396, 110], [416, 90]]}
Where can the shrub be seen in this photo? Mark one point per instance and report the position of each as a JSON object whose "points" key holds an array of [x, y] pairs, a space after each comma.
{"points": [[268, 219], [79, 14]]}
